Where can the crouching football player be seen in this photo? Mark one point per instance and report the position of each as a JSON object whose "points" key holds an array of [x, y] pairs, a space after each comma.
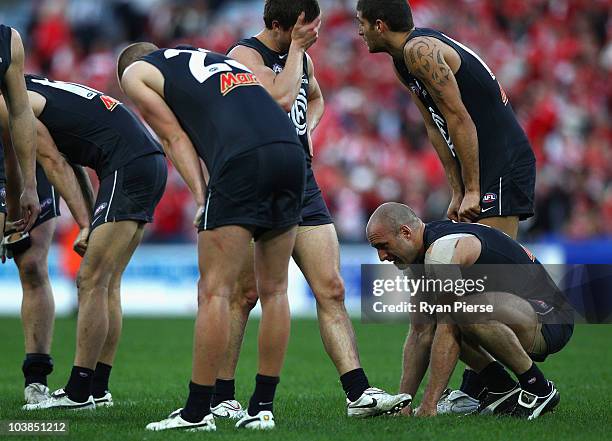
{"points": [[519, 330]]}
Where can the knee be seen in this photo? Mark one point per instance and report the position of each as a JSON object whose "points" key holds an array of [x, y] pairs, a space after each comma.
{"points": [[246, 298], [33, 270], [330, 291], [209, 288], [93, 277], [471, 330]]}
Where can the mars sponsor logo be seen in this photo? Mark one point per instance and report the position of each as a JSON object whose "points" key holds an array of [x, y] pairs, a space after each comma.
{"points": [[489, 197], [230, 80], [100, 208], [529, 254], [504, 96], [109, 102]]}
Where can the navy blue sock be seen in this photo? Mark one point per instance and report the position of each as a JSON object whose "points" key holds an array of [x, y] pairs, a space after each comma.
{"points": [[198, 402], [263, 397], [533, 381], [354, 383], [225, 390], [80, 384], [36, 367], [471, 383], [496, 378], [100, 380]]}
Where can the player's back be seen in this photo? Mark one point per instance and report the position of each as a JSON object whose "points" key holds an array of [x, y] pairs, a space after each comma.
{"points": [[5, 61], [92, 129], [220, 104]]}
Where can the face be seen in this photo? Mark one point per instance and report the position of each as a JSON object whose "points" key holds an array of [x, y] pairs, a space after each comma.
{"points": [[397, 248], [369, 33], [282, 37]]}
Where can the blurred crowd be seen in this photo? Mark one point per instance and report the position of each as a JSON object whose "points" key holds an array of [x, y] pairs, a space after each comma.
{"points": [[553, 57]]}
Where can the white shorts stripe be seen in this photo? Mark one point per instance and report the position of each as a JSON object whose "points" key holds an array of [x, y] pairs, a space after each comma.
{"points": [[500, 195], [206, 210], [110, 202]]}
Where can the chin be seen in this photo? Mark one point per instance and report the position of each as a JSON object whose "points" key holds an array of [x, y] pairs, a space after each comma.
{"points": [[401, 266]]}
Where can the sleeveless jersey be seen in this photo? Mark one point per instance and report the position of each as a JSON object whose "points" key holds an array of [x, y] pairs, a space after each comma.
{"points": [[5, 62], [501, 139], [92, 129], [533, 282], [220, 104], [276, 61]]}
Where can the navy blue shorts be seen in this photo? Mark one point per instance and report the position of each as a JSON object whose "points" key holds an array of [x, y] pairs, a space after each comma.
{"points": [[47, 197], [314, 211], [557, 328]]}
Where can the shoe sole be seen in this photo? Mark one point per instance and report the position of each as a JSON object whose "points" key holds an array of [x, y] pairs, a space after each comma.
{"points": [[546, 406]]}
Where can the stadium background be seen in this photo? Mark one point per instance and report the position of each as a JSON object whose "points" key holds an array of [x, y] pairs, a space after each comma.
{"points": [[553, 57]]}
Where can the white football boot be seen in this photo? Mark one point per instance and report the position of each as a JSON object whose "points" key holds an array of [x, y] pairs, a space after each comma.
{"points": [[59, 400], [230, 409], [264, 420], [374, 402], [105, 401], [456, 402], [531, 406], [35, 393], [175, 421]]}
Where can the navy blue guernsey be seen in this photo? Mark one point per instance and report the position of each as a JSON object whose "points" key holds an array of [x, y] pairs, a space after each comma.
{"points": [[220, 104], [501, 139], [91, 129], [5, 62], [276, 61]]}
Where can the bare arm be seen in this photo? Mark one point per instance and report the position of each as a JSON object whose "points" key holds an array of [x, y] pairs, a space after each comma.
{"points": [[416, 356], [85, 185], [285, 86], [21, 126], [62, 177], [159, 116], [316, 103], [425, 59]]}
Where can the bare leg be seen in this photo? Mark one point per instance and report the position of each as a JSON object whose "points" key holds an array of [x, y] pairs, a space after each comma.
{"points": [[317, 254], [108, 245], [37, 306], [272, 254], [244, 299], [221, 258], [508, 225]]}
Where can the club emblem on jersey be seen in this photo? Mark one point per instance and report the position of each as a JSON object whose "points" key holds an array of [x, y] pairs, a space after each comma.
{"points": [[277, 68], [298, 113], [101, 207], [229, 81], [489, 197], [109, 102], [46, 203]]}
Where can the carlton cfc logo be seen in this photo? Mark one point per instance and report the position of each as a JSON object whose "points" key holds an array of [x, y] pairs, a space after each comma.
{"points": [[489, 197], [298, 113]]}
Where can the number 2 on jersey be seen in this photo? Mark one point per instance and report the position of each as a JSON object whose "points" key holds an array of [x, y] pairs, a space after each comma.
{"points": [[196, 63]]}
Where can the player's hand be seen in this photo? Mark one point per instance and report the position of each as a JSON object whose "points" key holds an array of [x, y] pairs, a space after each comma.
{"points": [[425, 410], [14, 226], [81, 242], [455, 204], [470, 207], [30, 206], [305, 34], [198, 217]]}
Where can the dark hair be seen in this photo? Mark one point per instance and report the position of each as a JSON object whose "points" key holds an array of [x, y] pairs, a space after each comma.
{"points": [[286, 12], [131, 54], [395, 13]]}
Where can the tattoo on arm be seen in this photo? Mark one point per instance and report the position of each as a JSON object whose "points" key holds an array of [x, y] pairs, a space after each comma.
{"points": [[426, 62]]}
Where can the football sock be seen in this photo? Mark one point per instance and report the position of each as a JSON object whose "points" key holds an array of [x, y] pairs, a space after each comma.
{"points": [[496, 378], [36, 367], [263, 397], [533, 381], [471, 383], [224, 391], [100, 379], [80, 383], [354, 383], [198, 403]]}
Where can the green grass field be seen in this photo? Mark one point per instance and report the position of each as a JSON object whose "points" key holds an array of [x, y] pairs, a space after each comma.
{"points": [[152, 372]]}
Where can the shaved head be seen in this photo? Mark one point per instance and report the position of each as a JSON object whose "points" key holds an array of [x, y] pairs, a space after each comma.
{"points": [[393, 215], [131, 54]]}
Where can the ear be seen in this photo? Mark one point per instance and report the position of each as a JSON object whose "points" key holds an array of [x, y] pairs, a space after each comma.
{"points": [[380, 26], [406, 232], [276, 26]]}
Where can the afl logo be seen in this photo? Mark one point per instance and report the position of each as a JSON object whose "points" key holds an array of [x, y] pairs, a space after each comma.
{"points": [[489, 197], [100, 208], [298, 113]]}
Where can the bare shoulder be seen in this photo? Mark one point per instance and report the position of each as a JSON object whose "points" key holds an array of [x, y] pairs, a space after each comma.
{"points": [[246, 55], [142, 73], [467, 250], [17, 54]]}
